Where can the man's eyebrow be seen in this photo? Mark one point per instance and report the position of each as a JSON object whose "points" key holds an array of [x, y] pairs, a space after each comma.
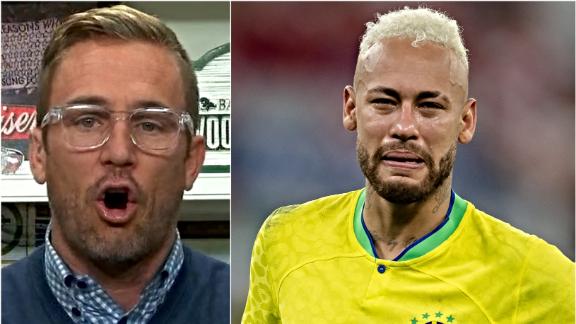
{"points": [[101, 101], [152, 103], [87, 100], [387, 91], [431, 94]]}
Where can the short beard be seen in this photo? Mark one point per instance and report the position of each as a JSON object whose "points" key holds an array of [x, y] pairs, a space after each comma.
{"points": [[112, 251], [402, 193]]}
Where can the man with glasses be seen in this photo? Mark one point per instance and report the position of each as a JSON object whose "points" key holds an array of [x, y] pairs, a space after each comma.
{"points": [[116, 146]]}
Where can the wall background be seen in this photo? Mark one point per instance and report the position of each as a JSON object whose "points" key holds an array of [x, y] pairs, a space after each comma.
{"points": [[200, 26], [292, 60]]}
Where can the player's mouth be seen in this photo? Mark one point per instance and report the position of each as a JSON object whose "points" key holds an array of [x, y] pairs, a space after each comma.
{"points": [[403, 160], [116, 203]]}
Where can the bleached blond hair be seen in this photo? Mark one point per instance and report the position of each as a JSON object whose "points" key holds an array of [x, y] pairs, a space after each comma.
{"points": [[421, 24]]}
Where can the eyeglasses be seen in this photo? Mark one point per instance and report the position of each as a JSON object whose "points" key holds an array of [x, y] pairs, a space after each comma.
{"points": [[87, 127]]}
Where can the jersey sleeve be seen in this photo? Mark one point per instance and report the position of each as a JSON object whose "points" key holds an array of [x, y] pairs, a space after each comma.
{"points": [[261, 304], [546, 291]]}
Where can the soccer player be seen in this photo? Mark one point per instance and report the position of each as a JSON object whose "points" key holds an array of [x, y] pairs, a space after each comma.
{"points": [[406, 248]]}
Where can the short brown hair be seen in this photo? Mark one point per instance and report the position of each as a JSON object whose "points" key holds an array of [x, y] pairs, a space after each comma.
{"points": [[119, 22]]}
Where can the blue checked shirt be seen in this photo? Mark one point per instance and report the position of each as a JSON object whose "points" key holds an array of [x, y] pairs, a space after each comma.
{"points": [[85, 301]]}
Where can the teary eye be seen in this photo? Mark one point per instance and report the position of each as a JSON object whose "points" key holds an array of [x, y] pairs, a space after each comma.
{"points": [[431, 104], [383, 101]]}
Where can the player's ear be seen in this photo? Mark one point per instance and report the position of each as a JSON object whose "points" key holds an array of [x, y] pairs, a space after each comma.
{"points": [[37, 155], [194, 160], [467, 122], [349, 105]]}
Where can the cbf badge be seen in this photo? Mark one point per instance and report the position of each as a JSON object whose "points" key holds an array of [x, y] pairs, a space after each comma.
{"points": [[433, 318]]}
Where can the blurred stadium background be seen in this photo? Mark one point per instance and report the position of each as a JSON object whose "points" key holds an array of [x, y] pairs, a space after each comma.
{"points": [[291, 61]]}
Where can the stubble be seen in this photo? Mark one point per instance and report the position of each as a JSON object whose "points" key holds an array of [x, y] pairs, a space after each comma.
{"points": [[400, 192]]}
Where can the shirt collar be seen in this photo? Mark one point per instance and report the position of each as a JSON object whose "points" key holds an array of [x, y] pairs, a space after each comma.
{"points": [[86, 301], [456, 209]]}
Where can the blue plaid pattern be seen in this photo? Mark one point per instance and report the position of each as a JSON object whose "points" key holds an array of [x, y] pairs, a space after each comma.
{"points": [[85, 301]]}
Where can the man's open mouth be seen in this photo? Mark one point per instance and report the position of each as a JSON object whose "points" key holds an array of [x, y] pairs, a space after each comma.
{"points": [[116, 203], [116, 198]]}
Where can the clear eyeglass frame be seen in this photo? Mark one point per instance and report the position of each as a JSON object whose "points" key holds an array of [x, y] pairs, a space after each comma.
{"points": [[56, 115]]}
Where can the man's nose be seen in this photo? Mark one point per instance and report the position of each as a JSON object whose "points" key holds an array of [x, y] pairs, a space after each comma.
{"points": [[405, 125], [119, 150]]}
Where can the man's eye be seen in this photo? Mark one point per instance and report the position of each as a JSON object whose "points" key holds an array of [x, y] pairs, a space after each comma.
{"points": [[87, 122], [149, 126], [430, 104], [384, 104], [383, 101]]}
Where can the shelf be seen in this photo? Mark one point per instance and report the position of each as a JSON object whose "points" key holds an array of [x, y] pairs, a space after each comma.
{"points": [[213, 182]]}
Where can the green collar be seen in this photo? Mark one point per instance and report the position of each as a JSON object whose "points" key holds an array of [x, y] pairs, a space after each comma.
{"points": [[423, 245]]}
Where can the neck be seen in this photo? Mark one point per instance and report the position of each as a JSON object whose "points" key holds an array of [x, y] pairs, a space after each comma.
{"points": [[124, 283], [395, 226]]}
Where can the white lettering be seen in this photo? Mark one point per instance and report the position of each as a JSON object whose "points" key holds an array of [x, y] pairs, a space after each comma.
{"points": [[20, 123]]}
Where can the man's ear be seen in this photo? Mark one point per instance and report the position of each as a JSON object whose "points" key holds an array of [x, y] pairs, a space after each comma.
{"points": [[467, 122], [37, 155], [349, 111], [194, 160]]}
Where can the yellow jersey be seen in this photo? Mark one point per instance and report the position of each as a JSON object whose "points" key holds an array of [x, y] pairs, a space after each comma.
{"points": [[311, 263]]}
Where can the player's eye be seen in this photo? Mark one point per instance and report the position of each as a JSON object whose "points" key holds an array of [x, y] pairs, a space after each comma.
{"points": [[384, 104], [383, 101], [431, 104]]}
